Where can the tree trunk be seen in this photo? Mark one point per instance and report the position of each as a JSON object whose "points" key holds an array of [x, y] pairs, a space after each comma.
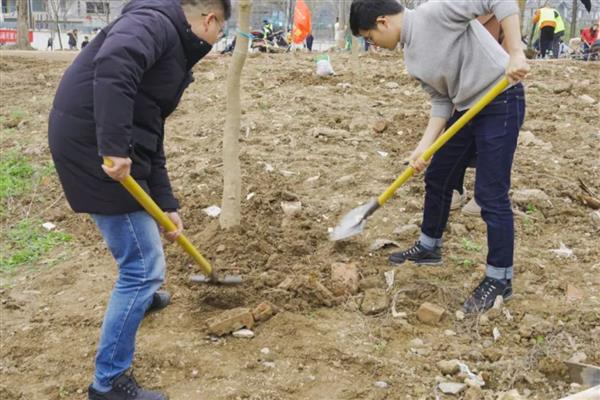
{"points": [[522, 15], [341, 43], [23, 25], [232, 181], [354, 56], [574, 19]]}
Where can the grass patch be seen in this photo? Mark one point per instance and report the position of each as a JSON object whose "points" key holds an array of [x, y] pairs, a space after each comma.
{"points": [[470, 246], [26, 242], [530, 209], [18, 175], [15, 174]]}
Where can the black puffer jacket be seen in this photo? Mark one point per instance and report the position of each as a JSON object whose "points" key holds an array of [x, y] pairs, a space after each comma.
{"points": [[113, 100]]}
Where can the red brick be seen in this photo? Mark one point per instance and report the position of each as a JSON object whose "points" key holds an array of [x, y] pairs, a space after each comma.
{"points": [[263, 312], [229, 321]]}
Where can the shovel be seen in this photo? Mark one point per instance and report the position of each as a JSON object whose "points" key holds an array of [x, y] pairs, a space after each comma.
{"points": [[154, 210], [354, 222]]}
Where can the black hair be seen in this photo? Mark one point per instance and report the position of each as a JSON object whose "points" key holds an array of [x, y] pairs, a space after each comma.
{"points": [[364, 13], [224, 4]]}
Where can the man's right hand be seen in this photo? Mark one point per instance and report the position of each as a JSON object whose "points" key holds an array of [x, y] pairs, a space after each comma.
{"points": [[416, 161], [120, 169]]}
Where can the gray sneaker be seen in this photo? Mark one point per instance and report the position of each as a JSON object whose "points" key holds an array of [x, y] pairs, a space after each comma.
{"points": [[125, 387], [458, 199], [417, 254], [471, 209]]}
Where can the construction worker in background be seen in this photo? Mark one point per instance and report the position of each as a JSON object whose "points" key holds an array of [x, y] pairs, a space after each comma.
{"points": [[267, 29], [559, 32], [545, 17]]}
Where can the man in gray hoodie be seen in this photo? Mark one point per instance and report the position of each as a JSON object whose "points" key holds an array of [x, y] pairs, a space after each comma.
{"points": [[457, 61]]}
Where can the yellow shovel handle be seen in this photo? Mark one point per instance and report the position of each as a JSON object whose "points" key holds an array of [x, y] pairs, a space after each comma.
{"points": [[154, 210], [442, 139]]}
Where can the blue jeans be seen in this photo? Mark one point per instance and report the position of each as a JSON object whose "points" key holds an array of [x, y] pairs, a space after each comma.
{"points": [[491, 136], [134, 241]]}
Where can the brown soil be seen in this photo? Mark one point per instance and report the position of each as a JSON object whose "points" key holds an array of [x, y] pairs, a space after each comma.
{"points": [[303, 126]]}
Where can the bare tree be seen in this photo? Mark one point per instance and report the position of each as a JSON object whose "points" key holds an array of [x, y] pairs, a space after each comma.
{"points": [[23, 25], [232, 180], [574, 18], [59, 9]]}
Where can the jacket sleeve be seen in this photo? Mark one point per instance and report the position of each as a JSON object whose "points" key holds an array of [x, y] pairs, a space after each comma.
{"points": [[441, 106], [159, 183], [131, 47], [463, 11]]}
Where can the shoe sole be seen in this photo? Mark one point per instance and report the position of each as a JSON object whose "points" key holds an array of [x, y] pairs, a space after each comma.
{"points": [[419, 262]]}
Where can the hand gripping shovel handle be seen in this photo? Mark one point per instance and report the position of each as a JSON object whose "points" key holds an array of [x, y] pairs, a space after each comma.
{"points": [[442, 139], [154, 210]]}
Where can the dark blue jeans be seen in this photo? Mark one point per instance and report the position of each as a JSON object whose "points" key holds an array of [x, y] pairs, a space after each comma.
{"points": [[492, 137]]}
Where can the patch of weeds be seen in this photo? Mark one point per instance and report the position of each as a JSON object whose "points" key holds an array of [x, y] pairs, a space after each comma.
{"points": [[540, 339], [15, 174], [470, 246], [13, 119], [467, 263], [530, 209], [63, 393], [26, 242], [380, 347]]}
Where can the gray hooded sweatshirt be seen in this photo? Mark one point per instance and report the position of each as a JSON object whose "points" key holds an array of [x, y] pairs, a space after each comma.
{"points": [[453, 56]]}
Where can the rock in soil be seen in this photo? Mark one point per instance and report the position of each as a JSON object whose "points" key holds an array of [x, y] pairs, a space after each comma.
{"points": [[449, 367], [374, 302], [452, 387], [430, 313], [344, 279]]}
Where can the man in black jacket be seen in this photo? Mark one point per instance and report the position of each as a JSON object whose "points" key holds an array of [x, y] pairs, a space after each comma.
{"points": [[112, 102]]}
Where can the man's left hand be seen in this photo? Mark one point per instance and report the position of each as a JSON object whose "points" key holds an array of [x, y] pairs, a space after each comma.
{"points": [[517, 67], [172, 236]]}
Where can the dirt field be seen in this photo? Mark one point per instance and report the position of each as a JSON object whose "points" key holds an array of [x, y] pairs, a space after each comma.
{"points": [[312, 139]]}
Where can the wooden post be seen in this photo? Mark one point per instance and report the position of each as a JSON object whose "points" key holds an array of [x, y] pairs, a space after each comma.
{"points": [[232, 181]]}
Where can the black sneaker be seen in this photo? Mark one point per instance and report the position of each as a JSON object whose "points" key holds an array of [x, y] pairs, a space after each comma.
{"points": [[417, 254], [160, 300], [484, 295], [125, 387]]}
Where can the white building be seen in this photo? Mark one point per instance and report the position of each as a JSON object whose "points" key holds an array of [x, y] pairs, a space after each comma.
{"points": [[83, 15]]}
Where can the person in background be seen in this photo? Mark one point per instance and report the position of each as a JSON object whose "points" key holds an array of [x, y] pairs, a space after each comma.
{"points": [[588, 37], [86, 41], [50, 44], [545, 18], [309, 41], [267, 29], [72, 40], [559, 32], [338, 34]]}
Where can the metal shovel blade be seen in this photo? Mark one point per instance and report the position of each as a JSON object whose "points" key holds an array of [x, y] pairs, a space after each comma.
{"points": [[354, 222], [216, 280]]}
